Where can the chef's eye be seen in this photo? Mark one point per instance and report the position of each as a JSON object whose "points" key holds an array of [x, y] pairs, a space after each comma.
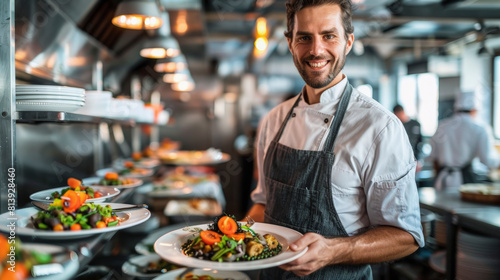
{"points": [[303, 38], [329, 36]]}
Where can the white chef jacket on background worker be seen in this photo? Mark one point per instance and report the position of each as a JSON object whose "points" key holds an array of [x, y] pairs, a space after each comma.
{"points": [[457, 142]]}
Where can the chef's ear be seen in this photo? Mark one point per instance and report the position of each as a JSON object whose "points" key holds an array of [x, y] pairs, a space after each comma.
{"points": [[349, 44], [290, 40]]}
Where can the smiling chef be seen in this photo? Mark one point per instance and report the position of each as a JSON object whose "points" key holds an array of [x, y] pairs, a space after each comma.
{"points": [[333, 163]]}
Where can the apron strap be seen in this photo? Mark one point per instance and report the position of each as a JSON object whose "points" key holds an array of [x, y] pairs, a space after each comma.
{"points": [[283, 124], [339, 116]]}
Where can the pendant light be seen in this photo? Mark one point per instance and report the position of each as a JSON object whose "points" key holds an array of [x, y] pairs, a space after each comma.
{"points": [[171, 64], [137, 14], [177, 76], [187, 85], [162, 45]]}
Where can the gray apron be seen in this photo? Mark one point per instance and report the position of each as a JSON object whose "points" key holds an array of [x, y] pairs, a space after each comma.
{"points": [[468, 174], [300, 196]]}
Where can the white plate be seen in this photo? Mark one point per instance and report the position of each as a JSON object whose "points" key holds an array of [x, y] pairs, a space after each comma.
{"points": [[24, 226], [193, 157], [58, 106], [136, 183], [182, 184], [45, 195], [142, 261], [236, 275], [55, 89], [54, 98], [169, 248], [69, 261], [49, 93], [102, 172], [143, 246], [169, 192], [438, 261], [142, 163]]}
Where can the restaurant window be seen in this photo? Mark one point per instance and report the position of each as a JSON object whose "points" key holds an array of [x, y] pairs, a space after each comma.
{"points": [[418, 94], [496, 98], [366, 89]]}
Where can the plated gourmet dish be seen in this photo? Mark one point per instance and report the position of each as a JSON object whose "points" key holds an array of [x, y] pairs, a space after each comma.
{"points": [[70, 212], [92, 193], [227, 240], [131, 168], [481, 192], [210, 156], [192, 276], [114, 179], [147, 266], [76, 185]]}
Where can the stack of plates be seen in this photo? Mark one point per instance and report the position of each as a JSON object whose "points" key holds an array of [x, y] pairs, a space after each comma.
{"points": [[477, 256], [49, 98], [440, 232]]}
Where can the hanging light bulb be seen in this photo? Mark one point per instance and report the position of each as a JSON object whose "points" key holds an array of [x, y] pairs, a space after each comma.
{"points": [[181, 25], [177, 77], [261, 33], [187, 85], [261, 43], [137, 14], [261, 27], [162, 45], [171, 64]]}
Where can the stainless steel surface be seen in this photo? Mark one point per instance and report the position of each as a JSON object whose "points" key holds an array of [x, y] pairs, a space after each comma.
{"points": [[486, 221], [131, 207], [41, 205], [7, 107], [446, 202], [456, 212], [49, 44], [46, 116], [27, 116]]}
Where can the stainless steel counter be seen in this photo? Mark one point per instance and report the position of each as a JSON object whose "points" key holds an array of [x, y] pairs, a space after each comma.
{"points": [[486, 221], [483, 218]]}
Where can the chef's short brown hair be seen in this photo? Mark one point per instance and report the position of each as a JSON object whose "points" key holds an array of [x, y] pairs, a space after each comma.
{"points": [[294, 6]]}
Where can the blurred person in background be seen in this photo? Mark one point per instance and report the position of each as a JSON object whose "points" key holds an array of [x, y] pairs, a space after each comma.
{"points": [[457, 142], [412, 128], [333, 163]]}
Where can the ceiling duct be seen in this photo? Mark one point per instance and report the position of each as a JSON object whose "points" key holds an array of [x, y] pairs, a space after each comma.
{"points": [[477, 4]]}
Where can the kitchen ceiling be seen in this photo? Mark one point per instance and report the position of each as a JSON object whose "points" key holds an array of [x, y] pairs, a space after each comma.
{"points": [[217, 36], [223, 29]]}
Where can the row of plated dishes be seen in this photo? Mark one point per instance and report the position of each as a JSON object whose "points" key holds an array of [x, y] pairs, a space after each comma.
{"points": [[47, 261], [72, 212], [128, 173]]}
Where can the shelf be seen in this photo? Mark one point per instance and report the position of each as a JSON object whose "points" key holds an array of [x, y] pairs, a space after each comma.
{"points": [[62, 117]]}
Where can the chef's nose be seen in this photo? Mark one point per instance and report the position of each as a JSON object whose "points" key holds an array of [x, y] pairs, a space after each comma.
{"points": [[317, 47]]}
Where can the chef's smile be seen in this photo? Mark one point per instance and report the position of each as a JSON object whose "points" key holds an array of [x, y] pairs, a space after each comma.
{"points": [[317, 64]]}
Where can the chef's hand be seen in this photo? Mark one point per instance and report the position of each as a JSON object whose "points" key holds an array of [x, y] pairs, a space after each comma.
{"points": [[321, 252]]}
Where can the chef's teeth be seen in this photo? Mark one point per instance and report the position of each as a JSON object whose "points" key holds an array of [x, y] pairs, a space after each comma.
{"points": [[317, 64]]}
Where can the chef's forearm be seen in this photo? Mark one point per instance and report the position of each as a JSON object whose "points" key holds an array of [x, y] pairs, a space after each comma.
{"points": [[380, 244]]}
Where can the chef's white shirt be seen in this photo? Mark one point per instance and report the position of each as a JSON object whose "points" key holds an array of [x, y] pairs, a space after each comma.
{"points": [[457, 141], [373, 177]]}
